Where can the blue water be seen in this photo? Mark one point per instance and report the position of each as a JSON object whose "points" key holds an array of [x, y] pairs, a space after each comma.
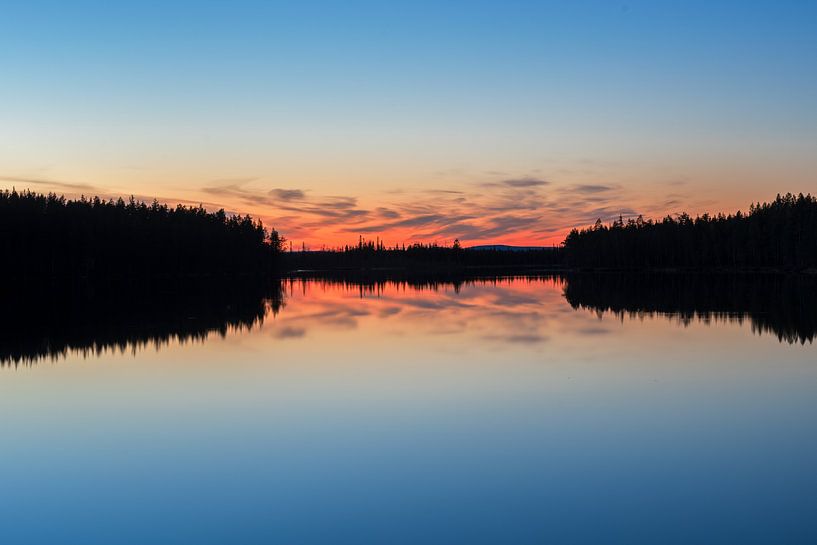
{"points": [[492, 414]]}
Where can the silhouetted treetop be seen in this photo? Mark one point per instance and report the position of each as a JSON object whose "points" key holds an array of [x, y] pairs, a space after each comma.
{"points": [[430, 257], [55, 236], [781, 234]]}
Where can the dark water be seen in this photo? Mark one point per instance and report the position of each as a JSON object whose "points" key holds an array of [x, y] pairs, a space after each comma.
{"points": [[579, 409]]}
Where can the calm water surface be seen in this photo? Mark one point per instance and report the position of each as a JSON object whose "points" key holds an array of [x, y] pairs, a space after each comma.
{"points": [[527, 410]]}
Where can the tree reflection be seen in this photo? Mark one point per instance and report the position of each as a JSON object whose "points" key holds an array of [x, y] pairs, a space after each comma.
{"points": [[38, 322], [51, 322], [782, 305]]}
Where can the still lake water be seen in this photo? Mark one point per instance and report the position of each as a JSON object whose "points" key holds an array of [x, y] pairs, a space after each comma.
{"points": [[502, 410]]}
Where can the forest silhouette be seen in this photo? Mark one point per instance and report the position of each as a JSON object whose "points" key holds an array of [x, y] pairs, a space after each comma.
{"points": [[418, 257], [49, 235], [778, 235]]}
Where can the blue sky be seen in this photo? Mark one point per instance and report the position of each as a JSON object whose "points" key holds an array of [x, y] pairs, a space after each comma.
{"points": [[375, 100]]}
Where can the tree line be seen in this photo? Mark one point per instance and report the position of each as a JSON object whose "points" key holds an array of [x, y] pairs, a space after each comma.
{"points": [[781, 234], [49, 235], [54, 236], [375, 254]]}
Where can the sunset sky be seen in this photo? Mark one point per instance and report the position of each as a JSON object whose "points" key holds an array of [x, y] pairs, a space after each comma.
{"points": [[502, 121]]}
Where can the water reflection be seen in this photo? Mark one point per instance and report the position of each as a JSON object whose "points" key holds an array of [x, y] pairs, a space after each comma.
{"points": [[50, 322], [482, 309], [782, 305], [38, 324]]}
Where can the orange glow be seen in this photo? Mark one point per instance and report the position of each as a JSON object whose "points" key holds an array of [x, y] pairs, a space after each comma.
{"points": [[523, 211]]}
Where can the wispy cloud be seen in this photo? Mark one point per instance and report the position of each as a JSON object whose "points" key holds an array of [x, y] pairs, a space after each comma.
{"points": [[386, 213], [591, 188], [528, 210], [288, 194], [521, 210], [54, 184], [525, 182], [289, 332]]}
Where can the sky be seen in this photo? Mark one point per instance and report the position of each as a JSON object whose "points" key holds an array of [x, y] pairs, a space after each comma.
{"points": [[492, 122]]}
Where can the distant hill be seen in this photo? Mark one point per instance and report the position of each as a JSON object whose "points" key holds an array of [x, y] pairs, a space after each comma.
{"points": [[507, 248]]}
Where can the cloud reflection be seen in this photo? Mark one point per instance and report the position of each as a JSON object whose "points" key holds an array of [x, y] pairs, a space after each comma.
{"points": [[471, 313]]}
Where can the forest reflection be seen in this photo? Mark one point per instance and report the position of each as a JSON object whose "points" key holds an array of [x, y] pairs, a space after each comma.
{"points": [[49, 324], [783, 305]]}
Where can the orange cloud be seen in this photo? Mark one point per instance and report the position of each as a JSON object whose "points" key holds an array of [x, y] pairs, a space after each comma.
{"points": [[523, 210]]}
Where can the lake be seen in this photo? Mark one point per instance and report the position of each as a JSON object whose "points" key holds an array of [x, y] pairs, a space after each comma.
{"points": [[503, 409]]}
